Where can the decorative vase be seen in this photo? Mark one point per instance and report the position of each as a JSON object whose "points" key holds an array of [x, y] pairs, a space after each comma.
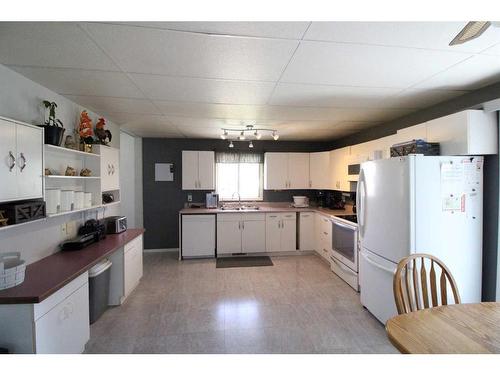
{"points": [[53, 135], [86, 147]]}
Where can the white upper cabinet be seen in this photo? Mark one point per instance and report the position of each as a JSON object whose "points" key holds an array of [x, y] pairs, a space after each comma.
{"points": [[298, 170], [339, 159], [286, 170], [110, 168], [198, 170], [471, 132], [319, 165], [21, 166], [275, 170]]}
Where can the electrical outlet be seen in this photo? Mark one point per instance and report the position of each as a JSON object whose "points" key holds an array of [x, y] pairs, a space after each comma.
{"points": [[71, 229], [190, 197], [64, 232]]}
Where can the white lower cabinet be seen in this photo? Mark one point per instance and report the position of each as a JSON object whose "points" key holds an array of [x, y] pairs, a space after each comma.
{"points": [[281, 232], [306, 231], [57, 325], [241, 233], [132, 265]]}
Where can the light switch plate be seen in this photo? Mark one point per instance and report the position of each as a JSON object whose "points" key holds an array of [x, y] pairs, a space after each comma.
{"points": [[190, 197]]}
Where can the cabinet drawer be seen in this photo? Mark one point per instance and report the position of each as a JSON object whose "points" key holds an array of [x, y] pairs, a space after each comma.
{"points": [[252, 216], [134, 244], [290, 216], [42, 308], [132, 269], [65, 328], [229, 217]]}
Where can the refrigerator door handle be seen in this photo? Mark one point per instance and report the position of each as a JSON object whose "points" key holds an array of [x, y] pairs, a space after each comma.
{"points": [[375, 264], [360, 202]]}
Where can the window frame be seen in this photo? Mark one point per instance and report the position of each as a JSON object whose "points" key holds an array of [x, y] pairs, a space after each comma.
{"points": [[261, 184]]}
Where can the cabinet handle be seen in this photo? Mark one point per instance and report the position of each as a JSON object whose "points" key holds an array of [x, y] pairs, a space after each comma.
{"points": [[243, 225], [23, 158], [325, 233], [13, 160], [109, 169], [112, 169], [310, 183]]}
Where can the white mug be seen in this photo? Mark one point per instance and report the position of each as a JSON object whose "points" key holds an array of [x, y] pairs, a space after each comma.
{"points": [[67, 200]]}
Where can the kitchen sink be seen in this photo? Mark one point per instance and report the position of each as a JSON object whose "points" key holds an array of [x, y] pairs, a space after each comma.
{"points": [[241, 208]]}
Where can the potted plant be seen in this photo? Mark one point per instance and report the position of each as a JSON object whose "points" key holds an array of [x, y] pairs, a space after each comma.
{"points": [[53, 128]]}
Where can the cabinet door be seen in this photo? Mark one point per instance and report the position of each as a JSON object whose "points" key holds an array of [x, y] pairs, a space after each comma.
{"points": [[298, 170], [8, 170], [228, 237], [189, 170], [318, 230], [319, 167], [273, 232], [110, 179], [206, 170], [253, 236], [288, 232], [132, 266], [306, 231], [275, 170], [65, 329], [29, 162]]}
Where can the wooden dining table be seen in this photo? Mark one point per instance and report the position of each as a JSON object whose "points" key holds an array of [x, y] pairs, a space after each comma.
{"points": [[452, 329]]}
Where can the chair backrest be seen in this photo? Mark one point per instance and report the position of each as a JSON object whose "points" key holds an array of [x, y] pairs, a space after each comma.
{"points": [[414, 290]]}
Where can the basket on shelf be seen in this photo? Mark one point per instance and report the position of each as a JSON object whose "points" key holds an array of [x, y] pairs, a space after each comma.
{"points": [[12, 270]]}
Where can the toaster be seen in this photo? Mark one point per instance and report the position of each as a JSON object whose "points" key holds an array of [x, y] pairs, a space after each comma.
{"points": [[116, 224]]}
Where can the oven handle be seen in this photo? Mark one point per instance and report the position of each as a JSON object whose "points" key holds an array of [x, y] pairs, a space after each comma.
{"points": [[343, 267], [342, 225]]}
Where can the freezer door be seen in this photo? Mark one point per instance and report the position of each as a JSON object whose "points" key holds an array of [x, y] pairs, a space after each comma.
{"points": [[375, 281], [385, 209]]}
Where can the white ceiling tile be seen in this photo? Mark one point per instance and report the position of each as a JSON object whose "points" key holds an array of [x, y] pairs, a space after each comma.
{"points": [[122, 118], [365, 65], [472, 74], [286, 30], [82, 82], [329, 96], [204, 90], [152, 126], [421, 98], [427, 35], [103, 104], [274, 112], [142, 50], [495, 50], [50, 44]]}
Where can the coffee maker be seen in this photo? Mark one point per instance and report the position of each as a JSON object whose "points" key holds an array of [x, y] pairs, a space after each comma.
{"points": [[212, 200]]}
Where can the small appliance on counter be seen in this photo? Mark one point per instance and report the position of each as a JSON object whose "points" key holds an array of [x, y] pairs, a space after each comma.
{"points": [[116, 224], [107, 198], [90, 232], [300, 201], [212, 200], [335, 200]]}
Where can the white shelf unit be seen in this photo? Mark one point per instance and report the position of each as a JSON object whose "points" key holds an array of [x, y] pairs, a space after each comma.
{"points": [[62, 213], [57, 159]]}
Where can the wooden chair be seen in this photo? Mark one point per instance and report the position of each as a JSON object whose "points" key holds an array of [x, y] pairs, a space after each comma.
{"points": [[411, 286]]}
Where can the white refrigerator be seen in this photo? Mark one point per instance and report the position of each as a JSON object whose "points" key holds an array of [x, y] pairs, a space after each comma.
{"points": [[419, 204]]}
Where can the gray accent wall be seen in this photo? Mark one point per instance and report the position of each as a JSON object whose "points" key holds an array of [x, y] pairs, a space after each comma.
{"points": [[163, 200]]}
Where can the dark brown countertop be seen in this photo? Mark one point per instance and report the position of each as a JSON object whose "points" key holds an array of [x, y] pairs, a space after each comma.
{"points": [[50, 274]]}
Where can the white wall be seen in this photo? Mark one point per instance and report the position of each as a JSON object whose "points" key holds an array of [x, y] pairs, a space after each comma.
{"points": [[21, 99], [131, 179]]}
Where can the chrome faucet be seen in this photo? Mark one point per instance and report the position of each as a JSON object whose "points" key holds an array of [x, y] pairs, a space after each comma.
{"points": [[239, 198]]}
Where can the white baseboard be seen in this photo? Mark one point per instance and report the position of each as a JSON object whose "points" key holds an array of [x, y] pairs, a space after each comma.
{"points": [[173, 250]]}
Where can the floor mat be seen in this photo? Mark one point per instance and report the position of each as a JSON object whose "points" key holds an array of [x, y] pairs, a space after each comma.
{"points": [[231, 262]]}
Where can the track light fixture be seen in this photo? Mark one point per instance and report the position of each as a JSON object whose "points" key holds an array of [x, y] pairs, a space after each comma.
{"points": [[257, 133]]}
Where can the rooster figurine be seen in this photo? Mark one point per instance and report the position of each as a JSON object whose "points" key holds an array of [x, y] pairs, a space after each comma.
{"points": [[102, 134]]}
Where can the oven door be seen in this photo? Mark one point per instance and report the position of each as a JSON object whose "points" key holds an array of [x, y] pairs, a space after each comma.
{"points": [[345, 243]]}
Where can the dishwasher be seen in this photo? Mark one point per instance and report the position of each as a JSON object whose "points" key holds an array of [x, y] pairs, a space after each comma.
{"points": [[198, 236]]}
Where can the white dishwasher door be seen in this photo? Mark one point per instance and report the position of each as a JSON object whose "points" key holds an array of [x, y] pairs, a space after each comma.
{"points": [[198, 236]]}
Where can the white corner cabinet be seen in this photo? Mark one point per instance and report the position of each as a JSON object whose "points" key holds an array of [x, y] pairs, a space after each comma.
{"points": [[281, 232], [198, 170], [241, 233], [319, 165], [471, 132], [58, 324], [306, 231], [21, 161], [286, 170]]}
